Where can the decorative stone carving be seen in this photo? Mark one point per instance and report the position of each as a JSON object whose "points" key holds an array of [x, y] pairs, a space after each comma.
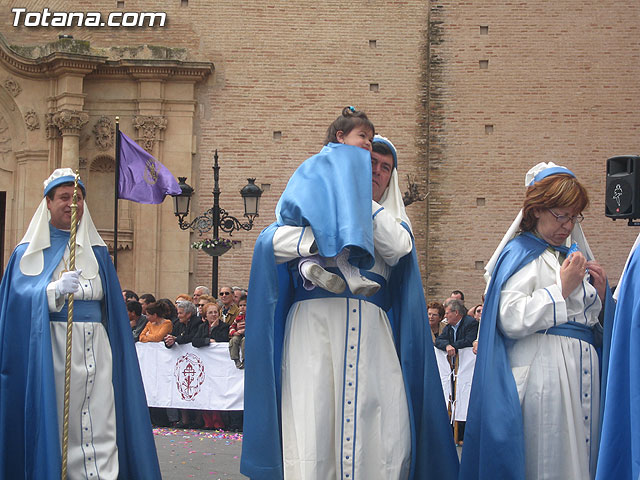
{"points": [[52, 130], [12, 87], [31, 120], [103, 164], [104, 131], [150, 126], [70, 121], [5, 136]]}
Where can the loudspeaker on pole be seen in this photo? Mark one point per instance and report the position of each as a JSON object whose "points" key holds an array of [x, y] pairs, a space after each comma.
{"points": [[623, 187]]}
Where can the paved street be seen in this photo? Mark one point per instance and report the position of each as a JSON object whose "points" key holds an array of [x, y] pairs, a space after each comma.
{"points": [[198, 454]]}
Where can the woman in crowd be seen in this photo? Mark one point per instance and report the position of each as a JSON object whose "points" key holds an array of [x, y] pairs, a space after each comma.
{"points": [[171, 309], [436, 314], [213, 330], [534, 406], [477, 312], [158, 325]]}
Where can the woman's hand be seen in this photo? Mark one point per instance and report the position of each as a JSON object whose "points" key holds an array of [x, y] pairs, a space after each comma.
{"points": [[572, 272], [169, 340], [599, 278]]}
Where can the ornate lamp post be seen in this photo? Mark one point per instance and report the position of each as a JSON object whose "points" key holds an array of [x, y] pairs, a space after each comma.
{"points": [[216, 218]]}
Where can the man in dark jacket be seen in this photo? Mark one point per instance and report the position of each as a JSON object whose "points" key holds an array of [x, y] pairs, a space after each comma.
{"points": [[461, 331]]}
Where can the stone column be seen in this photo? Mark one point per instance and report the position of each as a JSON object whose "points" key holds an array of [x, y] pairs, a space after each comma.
{"points": [[69, 122]]}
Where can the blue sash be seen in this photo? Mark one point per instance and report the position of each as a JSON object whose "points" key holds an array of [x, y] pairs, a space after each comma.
{"points": [[83, 311], [380, 298], [573, 330]]}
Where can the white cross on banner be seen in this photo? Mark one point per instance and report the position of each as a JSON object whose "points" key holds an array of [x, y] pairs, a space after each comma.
{"points": [[186, 377]]}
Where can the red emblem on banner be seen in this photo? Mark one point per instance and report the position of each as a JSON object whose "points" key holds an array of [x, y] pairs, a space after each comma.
{"points": [[189, 375]]}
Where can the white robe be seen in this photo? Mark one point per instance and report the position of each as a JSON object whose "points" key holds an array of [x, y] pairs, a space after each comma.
{"points": [[557, 377], [344, 407], [92, 450]]}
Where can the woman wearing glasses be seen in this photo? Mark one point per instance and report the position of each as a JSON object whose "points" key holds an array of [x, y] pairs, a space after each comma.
{"points": [[535, 398]]}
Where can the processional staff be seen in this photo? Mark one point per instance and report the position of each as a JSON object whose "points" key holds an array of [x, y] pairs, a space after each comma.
{"points": [[67, 361]]}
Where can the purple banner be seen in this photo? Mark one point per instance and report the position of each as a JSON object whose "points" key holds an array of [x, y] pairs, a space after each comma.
{"points": [[143, 179]]}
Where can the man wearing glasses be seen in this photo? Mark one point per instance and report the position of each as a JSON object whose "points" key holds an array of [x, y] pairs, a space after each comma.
{"points": [[229, 308]]}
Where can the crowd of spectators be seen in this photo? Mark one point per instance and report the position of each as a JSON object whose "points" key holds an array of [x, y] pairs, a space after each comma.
{"points": [[454, 327], [200, 320]]}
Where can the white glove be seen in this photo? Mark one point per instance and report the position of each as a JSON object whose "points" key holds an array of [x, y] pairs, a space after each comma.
{"points": [[69, 282]]}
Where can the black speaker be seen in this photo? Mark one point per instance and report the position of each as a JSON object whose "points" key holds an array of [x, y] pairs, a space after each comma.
{"points": [[623, 187]]}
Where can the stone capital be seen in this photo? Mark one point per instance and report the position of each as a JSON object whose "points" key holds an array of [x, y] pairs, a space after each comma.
{"points": [[69, 122]]}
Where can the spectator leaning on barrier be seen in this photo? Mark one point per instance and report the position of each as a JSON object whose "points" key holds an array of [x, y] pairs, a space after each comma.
{"points": [[185, 328], [158, 326], [236, 334], [461, 329], [213, 330]]}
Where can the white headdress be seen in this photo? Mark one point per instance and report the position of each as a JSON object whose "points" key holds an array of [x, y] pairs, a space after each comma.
{"points": [[392, 197], [37, 235], [537, 173]]}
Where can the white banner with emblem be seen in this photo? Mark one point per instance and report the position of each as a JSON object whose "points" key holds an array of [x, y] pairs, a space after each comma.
{"points": [[186, 377]]}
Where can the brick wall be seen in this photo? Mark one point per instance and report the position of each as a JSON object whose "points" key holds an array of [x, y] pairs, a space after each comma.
{"points": [[558, 85]]}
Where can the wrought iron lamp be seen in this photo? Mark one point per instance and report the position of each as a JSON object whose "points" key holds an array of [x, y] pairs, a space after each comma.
{"points": [[216, 218]]}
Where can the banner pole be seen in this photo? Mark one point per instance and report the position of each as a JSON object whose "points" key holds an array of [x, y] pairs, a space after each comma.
{"points": [[115, 206]]}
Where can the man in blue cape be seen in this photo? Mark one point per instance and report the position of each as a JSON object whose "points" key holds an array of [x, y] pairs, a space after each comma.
{"points": [[277, 305], [110, 433], [620, 442]]}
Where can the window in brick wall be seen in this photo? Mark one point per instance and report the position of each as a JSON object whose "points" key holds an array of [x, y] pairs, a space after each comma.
{"points": [[479, 265], [184, 3], [484, 30], [484, 64], [488, 129], [372, 44], [374, 87], [265, 187], [119, 3], [277, 135], [480, 202]]}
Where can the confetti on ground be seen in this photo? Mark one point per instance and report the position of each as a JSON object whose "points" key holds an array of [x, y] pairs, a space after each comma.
{"points": [[201, 434], [190, 453]]}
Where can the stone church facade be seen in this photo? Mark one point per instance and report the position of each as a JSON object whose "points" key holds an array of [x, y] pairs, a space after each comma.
{"points": [[471, 93]]}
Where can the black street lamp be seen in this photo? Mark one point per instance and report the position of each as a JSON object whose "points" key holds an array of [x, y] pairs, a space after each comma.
{"points": [[216, 218]]}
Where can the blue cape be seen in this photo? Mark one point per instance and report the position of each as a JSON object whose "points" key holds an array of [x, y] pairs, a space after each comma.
{"points": [[271, 286], [28, 415], [494, 437], [619, 455], [331, 192]]}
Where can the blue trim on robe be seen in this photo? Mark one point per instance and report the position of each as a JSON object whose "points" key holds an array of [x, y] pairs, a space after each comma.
{"points": [[619, 455], [28, 415], [271, 286], [331, 192], [494, 436]]}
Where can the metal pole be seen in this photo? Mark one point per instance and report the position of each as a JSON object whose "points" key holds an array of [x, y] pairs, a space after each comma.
{"points": [[216, 222], [115, 205]]}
